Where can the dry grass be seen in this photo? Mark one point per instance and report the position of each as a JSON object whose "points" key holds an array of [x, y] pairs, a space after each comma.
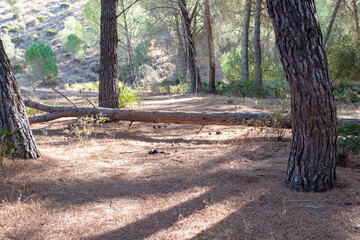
{"points": [[225, 183]]}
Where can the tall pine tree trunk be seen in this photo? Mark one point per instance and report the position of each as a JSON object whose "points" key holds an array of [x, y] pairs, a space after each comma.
{"points": [[181, 53], [192, 68], [332, 20], [12, 111], [245, 43], [312, 158], [257, 46], [108, 73], [210, 46]]}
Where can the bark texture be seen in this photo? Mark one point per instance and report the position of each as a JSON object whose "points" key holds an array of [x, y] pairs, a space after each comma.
{"points": [[192, 68], [331, 23], [12, 111], [210, 46], [312, 158], [108, 73], [245, 43], [257, 46]]}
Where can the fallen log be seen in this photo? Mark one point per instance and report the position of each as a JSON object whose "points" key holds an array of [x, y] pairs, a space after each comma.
{"points": [[192, 118]]}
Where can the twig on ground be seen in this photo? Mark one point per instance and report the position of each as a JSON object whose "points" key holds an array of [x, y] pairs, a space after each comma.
{"points": [[134, 151], [197, 133], [65, 97], [176, 160]]}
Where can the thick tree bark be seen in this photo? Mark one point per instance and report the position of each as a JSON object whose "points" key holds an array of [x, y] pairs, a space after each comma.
{"points": [[245, 43], [332, 20], [13, 113], [210, 46], [257, 46], [108, 73], [312, 159], [192, 68]]}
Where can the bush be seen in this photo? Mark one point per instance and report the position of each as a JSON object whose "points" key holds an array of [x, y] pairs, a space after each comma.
{"points": [[73, 45], [43, 62], [346, 92], [51, 32], [40, 18], [7, 149], [127, 97], [348, 142], [65, 5]]}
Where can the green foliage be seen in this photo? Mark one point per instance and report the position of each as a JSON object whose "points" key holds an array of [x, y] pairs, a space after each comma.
{"points": [[276, 87], [65, 5], [7, 149], [166, 84], [17, 7], [40, 18], [348, 142], [30, 112], [92, 13], [343, 56], [17, 40], [72, 26], [35, 37], [43, 62], [83, 129], [18, 68], [230, 63], [15, 55], [5, 28], [51, 32], [14, 30], [346, 92], [127, 97], [142, 57], [73, 45]]}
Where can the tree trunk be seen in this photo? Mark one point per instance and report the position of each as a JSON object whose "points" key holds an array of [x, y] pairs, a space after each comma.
{"points": [[227, 118], [332, 20], [257, 46], [181, 52], [192, 69], [13, 113], [356, 18], [108, 73], [129, 46], [245, 43], [210, 46], [312, 158]]}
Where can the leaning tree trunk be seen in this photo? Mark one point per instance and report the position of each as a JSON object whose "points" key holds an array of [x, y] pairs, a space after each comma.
{"points": [[257, 46], [108, 73], [245, 43], [312, 158], [210, 46], [12, 111], [332, 20], [192, 68]]}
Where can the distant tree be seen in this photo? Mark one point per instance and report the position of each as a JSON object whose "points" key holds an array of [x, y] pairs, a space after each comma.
{"points": [[12, 111], [332, 20], [245, 42], [257, 45], [192, 68], [312, 158], [210, 45], [108, 72]]}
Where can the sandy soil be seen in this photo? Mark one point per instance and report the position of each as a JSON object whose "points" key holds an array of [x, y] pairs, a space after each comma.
{"points": [[224, 183]]}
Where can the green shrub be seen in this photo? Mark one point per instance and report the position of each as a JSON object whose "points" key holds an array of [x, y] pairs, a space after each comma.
{"points": [[5, 28], [35, 37], [127, 97], [346, 92], [43, 62], [88, 86], [348, 142], [51, 32], [7, 149], [73, 45], [17, 40], [14, 30], [230, 63], [18, 68], [65, 5], [40, 18]]}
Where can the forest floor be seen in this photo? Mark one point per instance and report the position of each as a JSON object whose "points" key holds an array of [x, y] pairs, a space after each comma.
{"points": [[223, 183]]}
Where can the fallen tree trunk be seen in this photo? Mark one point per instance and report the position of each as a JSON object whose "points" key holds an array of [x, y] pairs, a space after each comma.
{"points": [[247, 119]]}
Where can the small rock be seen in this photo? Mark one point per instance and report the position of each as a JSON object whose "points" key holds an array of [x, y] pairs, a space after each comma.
{"points": [[348, 203], [154, 151], [357, 227], [315, 208]]}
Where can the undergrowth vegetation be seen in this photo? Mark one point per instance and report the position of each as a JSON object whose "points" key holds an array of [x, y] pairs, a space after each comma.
{"points": [[348, 143]]}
